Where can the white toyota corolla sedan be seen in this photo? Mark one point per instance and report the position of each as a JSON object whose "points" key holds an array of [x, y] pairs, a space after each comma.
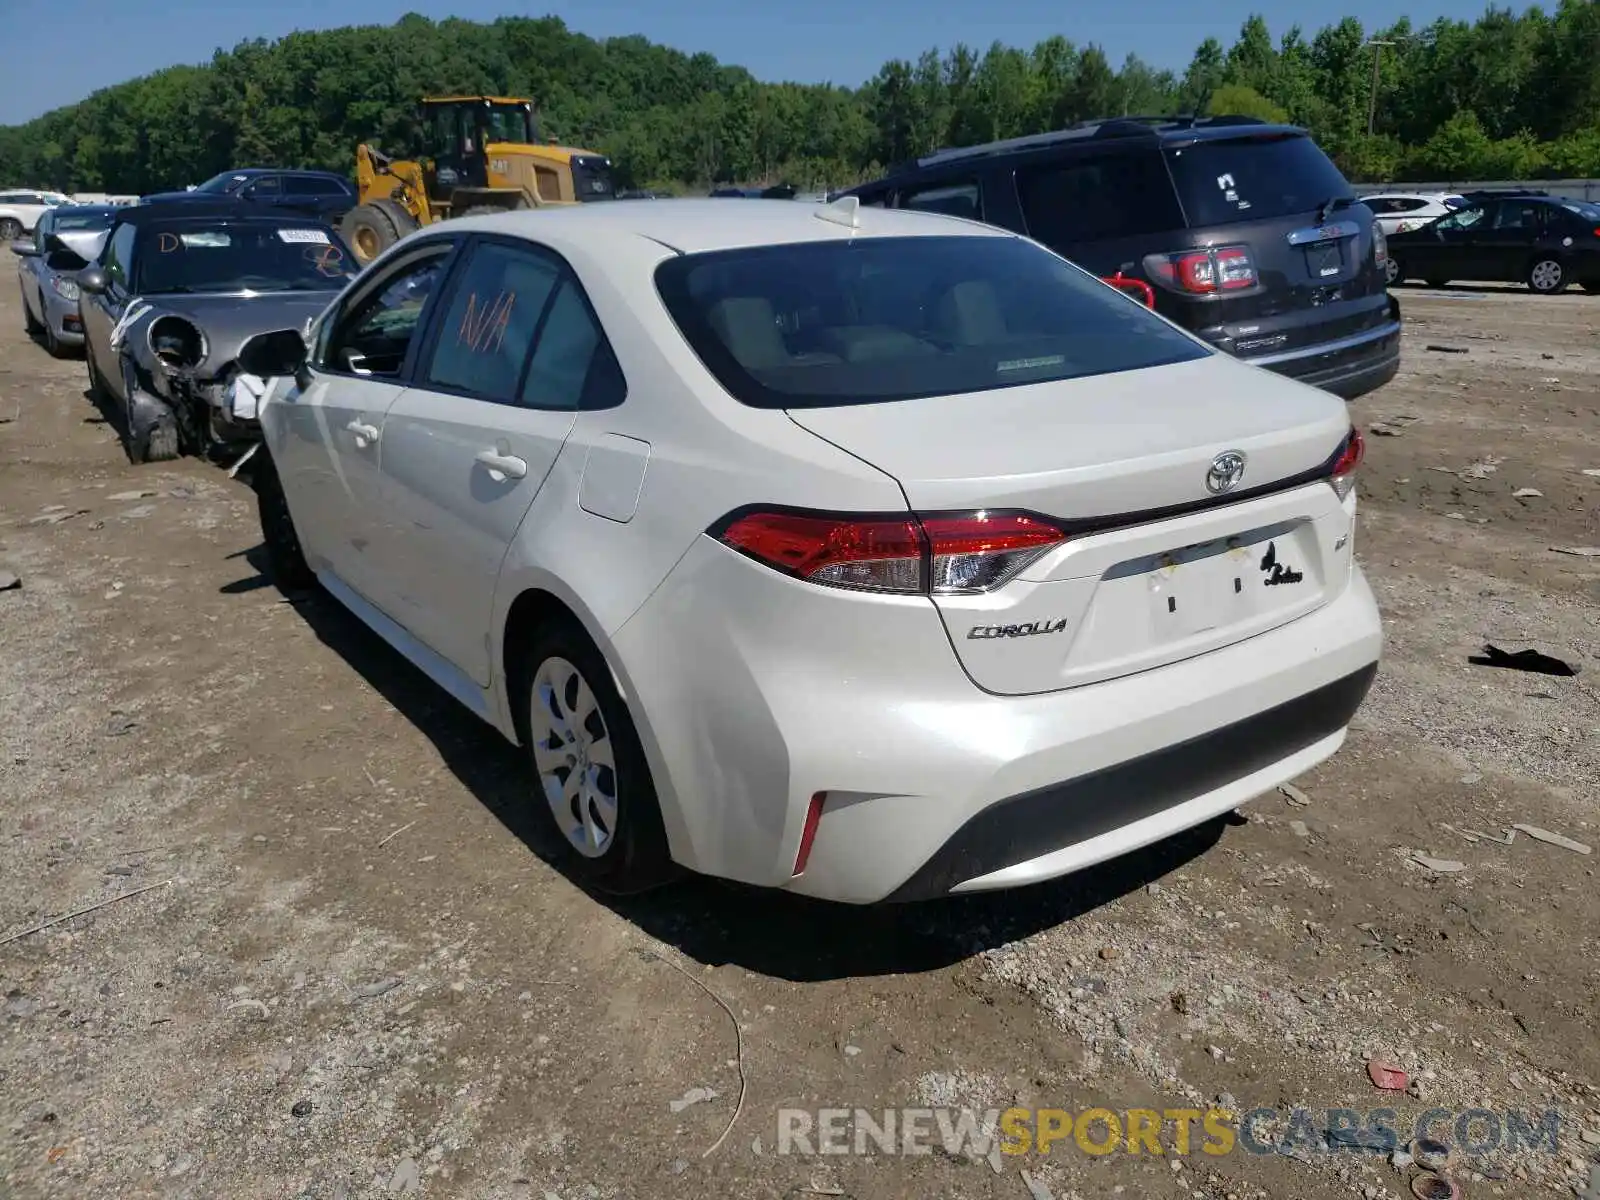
{"points": [[863, 553]]}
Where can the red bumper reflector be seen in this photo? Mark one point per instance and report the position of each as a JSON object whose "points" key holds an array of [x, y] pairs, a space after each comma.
{"points": [[809, 833]]}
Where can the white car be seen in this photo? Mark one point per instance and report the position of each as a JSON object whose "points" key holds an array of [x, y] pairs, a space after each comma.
{"points": [[864, 553], [21, 208], [1401, 212]]}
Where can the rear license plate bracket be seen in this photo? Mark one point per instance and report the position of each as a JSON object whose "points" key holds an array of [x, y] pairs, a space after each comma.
{"points": [[1201, 594], [1324, 260]]}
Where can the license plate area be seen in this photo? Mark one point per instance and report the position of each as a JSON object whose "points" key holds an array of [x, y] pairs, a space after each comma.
{"points": [[1228, 583], [1324, 260]]}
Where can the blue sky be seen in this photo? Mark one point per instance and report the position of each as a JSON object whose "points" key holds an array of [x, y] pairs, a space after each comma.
{"points": [[58, 51]]}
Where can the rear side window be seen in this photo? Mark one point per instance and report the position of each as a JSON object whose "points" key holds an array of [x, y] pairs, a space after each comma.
{"points": [[310, 185], [1090, 199], [1253, 178], [819, 324], [485, 333], [951, 199]]}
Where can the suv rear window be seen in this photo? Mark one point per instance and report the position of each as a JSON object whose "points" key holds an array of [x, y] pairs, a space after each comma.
{"points": [[1253, 178], [818, 324]]}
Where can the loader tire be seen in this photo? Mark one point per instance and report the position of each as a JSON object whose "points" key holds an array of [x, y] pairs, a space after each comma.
{"points": [[370, 229]]}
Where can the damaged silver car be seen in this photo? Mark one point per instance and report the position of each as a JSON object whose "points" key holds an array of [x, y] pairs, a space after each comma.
{"points": [[176, 290]]}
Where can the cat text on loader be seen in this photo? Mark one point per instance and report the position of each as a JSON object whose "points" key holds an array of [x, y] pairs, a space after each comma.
{"points": [[481, 154]]}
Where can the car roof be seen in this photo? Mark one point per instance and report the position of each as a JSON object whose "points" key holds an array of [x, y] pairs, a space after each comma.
{"points": [[1150, 132], [209, 210], [694, 226]]}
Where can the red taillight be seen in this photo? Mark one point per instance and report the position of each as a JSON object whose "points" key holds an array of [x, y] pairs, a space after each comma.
{"points": [[1204, 272], [939, 554], [1343, 475]]}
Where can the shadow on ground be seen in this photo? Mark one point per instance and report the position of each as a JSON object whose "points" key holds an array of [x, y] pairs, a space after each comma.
{"points": [[714, 922]]}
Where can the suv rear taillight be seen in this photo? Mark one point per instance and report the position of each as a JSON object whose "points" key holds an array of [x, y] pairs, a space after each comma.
{"points": [[1342, 476], [940, 554], [1204, 272], [1380, 245]]}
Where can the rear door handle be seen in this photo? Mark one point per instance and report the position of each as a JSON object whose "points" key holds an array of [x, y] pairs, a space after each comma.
{"points": [[363, 431], [505, 464]]}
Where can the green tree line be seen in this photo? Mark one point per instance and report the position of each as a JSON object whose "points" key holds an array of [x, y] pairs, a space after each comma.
{"points": [[1506, 96]]}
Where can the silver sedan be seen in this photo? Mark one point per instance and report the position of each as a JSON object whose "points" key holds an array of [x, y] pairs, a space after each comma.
{"points": [[65, 240]]}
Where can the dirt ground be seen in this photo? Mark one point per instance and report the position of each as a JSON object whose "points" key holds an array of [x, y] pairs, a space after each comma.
{"points": [[356, 975]]}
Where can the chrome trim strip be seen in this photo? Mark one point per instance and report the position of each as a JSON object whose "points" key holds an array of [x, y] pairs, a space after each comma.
{"points": [[1388, 329], [1323, 233]]}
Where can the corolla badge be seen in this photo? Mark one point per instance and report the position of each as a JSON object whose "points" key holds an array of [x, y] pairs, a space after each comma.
{"points": [[1227, 469]]}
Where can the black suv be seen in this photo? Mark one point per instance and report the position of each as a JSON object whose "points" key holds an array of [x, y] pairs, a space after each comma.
{"points": [[314, 193], [1246, 232]]}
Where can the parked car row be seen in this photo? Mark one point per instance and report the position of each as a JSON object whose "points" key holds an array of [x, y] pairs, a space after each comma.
{"points": [[1547, 242]]}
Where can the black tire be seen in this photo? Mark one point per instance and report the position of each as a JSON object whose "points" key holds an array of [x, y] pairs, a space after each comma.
{"points": [[284, 557], [370, 229], [29, 322], [54, 345], [10, 229], [1592, 286], [636, 857], [1438, 283], [1547, 276]]}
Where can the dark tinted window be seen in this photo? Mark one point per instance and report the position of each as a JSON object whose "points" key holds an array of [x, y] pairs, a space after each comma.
{"points": [[118, 253], [953, 198], [63, 219], [1089, 199], [1462, 218], [373, 335], [1516, 216], [485, 332], [311, 185], [1253, 178], [876, 319], [1587, 214], [237, 256], [573, 365], [264, 186], [228, 181]]}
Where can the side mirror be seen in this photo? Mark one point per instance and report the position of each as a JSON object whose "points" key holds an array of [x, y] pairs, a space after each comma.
{"points": [[23, 249], [93, 280], [281, 352]]}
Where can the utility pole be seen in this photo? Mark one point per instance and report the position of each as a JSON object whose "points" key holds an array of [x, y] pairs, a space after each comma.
{"points": [[1372, 99]]}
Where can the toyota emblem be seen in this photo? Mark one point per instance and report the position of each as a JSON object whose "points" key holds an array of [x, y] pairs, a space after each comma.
{"points": [[1227, 469]]}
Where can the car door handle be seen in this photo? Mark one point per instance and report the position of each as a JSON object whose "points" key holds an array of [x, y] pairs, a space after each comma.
{"points": [[363, 431], [506, 464]]}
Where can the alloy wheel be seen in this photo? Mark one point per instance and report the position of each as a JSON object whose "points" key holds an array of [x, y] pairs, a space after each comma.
{"points": [[572, 752]]}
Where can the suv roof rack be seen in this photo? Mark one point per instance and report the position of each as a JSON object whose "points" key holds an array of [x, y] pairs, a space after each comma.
{"points": [[1098, 127]]}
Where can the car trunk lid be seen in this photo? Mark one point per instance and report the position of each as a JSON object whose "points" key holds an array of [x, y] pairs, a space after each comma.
{"points": [[1156, 566]]}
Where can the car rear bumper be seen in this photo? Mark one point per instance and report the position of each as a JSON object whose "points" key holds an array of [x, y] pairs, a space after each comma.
{"points": [[1349, 366], [753, 694]]}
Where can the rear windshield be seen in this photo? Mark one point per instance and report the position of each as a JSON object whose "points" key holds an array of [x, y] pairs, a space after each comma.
{"points": [[1252, 179], [67, 219], [1589, 212], [874, 319], [237, 256]]}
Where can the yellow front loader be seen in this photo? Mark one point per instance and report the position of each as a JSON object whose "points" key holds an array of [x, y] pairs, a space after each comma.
{"points": [[481, 154]]}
